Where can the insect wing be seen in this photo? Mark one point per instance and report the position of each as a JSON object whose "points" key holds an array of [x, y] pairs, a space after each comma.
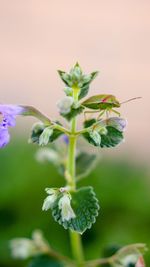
{"points": [[101, 102]]}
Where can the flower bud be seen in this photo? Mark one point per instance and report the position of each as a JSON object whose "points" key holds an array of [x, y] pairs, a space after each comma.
{"points": [[87, 78], [66, 77], [68, 91], [65, 104], [22, 248], [44, 137], [38, 126], [50, 200], [103, 131], [67, 212], [47, 154], [66, 139]]}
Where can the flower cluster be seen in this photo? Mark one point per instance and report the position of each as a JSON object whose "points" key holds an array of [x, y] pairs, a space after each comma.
{"points": [[64, 202], [9, 113], [76, 209], [23, 248]]}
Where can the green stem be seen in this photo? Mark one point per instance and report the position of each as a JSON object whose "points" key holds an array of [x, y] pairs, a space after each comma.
{"points": [[75, 238], [77, 249]]}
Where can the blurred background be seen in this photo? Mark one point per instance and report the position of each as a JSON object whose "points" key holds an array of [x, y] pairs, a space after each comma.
{"points": [[37, 38]]}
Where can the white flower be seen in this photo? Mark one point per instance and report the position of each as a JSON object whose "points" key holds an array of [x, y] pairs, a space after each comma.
{"points": [[44, 137], [22, 248], [68, 91], [67, 212], [47, 154], [65, 104], [50, 200], [132, 258]]}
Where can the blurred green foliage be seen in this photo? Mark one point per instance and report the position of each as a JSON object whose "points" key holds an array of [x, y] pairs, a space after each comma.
{"points": [[121, 186]]}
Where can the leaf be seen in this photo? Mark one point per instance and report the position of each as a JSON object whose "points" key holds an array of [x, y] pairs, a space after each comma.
{"points": [[44, 261], [31, 111], [36, 132], [89, 123], [61, 74], [85, 206], [101, 102], [76, 78], [85, 88], [84, 164], [73, 113], [84, 91], [112, 138]]}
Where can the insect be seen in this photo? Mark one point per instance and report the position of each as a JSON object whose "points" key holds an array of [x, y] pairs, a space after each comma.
{"points": [[103, 103]]}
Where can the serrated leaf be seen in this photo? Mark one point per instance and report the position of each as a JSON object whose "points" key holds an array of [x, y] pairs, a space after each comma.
{"points": [[73, 113], [85, 206], [111, 139], [101, 102], [35, 134], [44, 261], [85, 164]]}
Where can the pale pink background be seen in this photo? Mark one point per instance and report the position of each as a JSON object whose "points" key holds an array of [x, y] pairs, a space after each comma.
{"points": [[39, 37]]}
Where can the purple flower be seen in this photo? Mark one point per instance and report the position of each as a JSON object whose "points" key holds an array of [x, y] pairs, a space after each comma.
{"points": [[118, 123], [9, 113], [65, 139]]}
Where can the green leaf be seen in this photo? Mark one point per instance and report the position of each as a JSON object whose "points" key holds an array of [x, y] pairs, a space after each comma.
{"points": [[31, 111], [101, 102], [76, 78], [89, 123], [61, 74], [84, 91], [37, 131], [85, 87], [85, 206], [112, 138], [85, 164], [96, 137], [44, 261], [73, 113]]}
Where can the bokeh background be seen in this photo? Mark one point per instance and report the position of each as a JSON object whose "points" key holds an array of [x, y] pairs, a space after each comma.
{"points": [[37, 38]]}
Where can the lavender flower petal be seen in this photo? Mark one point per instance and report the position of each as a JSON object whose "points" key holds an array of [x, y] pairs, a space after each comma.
{"points": [[9, 113], [4, 137], [65, 139]]}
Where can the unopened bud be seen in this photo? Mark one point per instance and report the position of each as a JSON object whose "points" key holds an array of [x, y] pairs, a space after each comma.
{"points": [[65, 104], [67, 212], [50, 200], [44, 137]]}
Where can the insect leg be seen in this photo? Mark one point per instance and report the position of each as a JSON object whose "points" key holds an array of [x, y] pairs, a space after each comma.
{"points": [[89, 112], [118, 113], [101, 114]]}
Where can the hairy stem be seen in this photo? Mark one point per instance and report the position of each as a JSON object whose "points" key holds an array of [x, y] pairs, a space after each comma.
{"points": [[75, 238]]}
